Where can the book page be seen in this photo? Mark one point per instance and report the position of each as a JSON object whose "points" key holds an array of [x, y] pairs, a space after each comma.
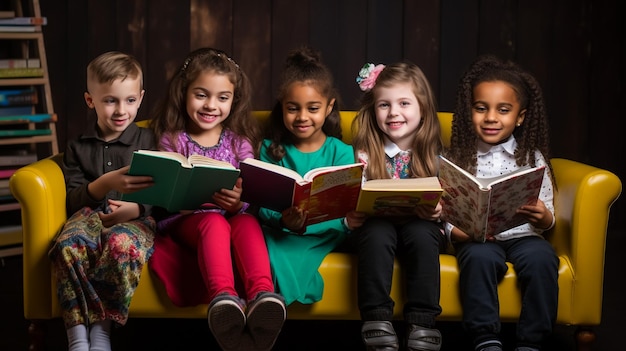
{"points": [[449, 167], [168, 155], [424, 183], [310, 175], [199, 160]]}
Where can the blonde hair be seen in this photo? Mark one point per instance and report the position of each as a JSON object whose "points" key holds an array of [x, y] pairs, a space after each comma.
{"points": [[111, 66], [369, 138]]}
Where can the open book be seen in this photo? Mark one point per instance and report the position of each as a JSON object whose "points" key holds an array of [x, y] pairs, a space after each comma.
{"points": [[482, 206], [326, 192], [180, 183], [398, 197]]}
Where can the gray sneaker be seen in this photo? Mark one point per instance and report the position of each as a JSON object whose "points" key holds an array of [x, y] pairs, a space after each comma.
{"points": [[227, 321], [266, 315]]}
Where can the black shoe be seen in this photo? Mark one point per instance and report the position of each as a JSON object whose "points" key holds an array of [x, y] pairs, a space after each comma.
{"points": [[379, 336], [423, 339]]}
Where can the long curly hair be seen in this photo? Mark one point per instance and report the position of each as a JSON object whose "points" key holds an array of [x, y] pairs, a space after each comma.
{"points": [[531, 136], [170, 115], [303, 65], [368, 137]]}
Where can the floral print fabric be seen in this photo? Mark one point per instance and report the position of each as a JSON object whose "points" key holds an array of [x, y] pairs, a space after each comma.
{"points": [[98, 268]]}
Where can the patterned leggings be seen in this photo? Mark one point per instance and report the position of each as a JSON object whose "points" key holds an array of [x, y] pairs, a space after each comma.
{"points": [[97, 269]]}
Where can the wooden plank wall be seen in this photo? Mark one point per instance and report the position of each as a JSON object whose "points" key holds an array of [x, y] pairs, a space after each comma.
{"points": [[574, 48]]}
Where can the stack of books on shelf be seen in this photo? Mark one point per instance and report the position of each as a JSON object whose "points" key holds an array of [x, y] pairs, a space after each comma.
{"points": [[19, 125], [4, 182], [20, 67], [10, 23], [9, 163]]}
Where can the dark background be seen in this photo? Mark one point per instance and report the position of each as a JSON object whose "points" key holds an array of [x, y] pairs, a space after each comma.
{"points": [[575, 48]]}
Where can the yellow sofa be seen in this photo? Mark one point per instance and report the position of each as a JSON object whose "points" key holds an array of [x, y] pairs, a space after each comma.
{"points": [[583, 204]]}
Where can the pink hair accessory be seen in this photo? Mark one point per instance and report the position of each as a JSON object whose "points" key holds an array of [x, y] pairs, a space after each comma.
{"points": [[368, 75]]}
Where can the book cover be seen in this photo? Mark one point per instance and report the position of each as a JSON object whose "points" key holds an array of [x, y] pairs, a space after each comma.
{"points": [[6, 111], [17, 160], [4, 187], [5, 191], [326, 193], [487, 206], [24, 132], [21, 72], [18, 97], [28, 118], [24, 21], [7, 173], [398, 197], [18, 29], [20, 63], [180, 183]]}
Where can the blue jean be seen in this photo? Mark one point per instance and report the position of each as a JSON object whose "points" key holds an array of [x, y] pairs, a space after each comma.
{"points": [[482, 266]]}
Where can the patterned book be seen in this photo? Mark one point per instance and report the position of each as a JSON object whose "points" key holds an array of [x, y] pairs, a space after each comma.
{"points": [[487, 206]]}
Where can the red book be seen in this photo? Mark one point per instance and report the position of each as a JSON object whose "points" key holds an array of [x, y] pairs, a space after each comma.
{"points": [[326, 192], [6, 173]]}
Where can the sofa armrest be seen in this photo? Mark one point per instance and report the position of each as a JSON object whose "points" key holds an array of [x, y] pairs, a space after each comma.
{"points": [[583, 201], [40, 190]]}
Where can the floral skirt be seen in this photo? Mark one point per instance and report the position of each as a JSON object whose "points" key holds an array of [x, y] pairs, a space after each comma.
{"points": [[97, 269]]}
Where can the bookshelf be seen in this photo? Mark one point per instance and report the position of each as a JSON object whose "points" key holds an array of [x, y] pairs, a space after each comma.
{"points": [[27, 118]]}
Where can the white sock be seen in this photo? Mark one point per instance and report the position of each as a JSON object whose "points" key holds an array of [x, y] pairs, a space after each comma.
{"points": [[100, 336], [77, 339]]}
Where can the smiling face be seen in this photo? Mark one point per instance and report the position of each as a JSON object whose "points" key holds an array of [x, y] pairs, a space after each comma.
{"points": [[304, 113], [209, 101], [398, 113], [496, 111], [116, 104]]}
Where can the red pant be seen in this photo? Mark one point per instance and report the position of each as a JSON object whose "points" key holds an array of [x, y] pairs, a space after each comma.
{"points": [[220, 242]]}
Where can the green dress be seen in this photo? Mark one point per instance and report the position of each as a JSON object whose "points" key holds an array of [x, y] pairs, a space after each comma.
{"points": [[295, 258]]}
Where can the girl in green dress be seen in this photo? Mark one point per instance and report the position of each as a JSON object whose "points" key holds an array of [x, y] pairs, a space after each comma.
{"points": [[304, 133]]}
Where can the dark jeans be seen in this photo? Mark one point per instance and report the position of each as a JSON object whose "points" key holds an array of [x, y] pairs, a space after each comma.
{"points": [[417, 244], [482, 266]]}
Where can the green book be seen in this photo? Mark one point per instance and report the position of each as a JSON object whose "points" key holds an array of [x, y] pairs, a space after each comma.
{"points": [[180, 183], [23, 132]]}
